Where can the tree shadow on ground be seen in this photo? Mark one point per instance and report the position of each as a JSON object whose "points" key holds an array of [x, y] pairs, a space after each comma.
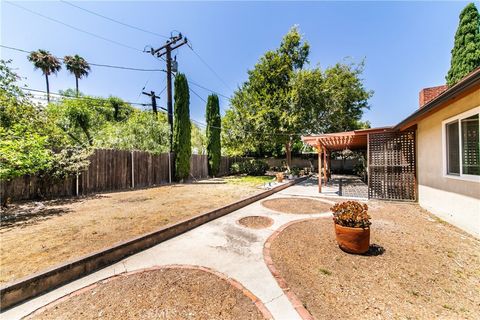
{"points": [[24, 213], [16, 218]]}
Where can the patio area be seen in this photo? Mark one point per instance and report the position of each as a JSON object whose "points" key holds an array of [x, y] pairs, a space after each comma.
{"points": [[340, 186]]}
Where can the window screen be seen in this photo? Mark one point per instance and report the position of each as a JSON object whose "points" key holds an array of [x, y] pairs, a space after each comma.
{"points": [[470, 146], [453, 149]]}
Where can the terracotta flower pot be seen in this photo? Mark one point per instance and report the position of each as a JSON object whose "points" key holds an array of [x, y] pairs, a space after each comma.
{"points": [[279, 177], [353, 240]]}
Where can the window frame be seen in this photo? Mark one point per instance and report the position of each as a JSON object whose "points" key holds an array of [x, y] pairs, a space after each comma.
{"points": [[457, 118]]}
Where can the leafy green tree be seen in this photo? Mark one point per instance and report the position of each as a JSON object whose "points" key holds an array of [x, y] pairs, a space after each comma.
{"points": [[23, 140], [214, 123], [282, 101], [182, 128], [77, 66], [330, 101], [466, 48], [141, 131], [199, 140], [84, 117], [22, 152], [261, 113], [77, 118], [28, 140], [48, 63]]}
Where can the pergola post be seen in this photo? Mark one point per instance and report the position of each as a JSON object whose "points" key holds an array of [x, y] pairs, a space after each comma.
{"points": [[329, 165], [319, 167], [325, 165]]}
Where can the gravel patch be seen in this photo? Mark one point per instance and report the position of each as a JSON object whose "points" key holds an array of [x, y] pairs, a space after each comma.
{"points": [[419, 268], [297, 205], [256, 222], [160, 294]]}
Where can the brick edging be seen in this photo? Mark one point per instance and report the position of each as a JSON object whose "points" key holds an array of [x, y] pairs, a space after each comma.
{"points": [[234, 283], [282, 283], [39, 283]]}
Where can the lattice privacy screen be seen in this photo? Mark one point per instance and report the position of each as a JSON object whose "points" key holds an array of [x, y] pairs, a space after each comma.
{"points": [[391, 171]]}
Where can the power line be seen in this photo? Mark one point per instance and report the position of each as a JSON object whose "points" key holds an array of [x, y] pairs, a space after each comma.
{"points": [[113, 20], [210, 68], [94, 64], [147, 104], [210, 90], [73, 27], [199, 97], [80, 98]]}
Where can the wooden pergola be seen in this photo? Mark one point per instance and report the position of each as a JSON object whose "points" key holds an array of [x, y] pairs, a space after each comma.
{"points": [[338, 141]]}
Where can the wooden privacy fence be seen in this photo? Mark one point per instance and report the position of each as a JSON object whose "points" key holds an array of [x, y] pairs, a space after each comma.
{"points": [[110, 170]]}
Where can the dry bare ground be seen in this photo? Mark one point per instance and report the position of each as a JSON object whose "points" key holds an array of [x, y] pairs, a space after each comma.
{"points": [[429, 269], [296, 205], [159, 294], [35, 236]]}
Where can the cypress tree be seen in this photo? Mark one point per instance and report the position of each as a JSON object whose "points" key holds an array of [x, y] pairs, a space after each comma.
{"points": [[466, 49], [182, 145], [213, 134]]}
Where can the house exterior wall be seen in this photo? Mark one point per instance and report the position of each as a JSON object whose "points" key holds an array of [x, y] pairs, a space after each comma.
{"points": [[455, 201]]}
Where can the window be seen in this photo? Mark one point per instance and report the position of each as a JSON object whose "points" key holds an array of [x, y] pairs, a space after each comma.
{"points": [[453, 149], [462, 145], [470, 146]]}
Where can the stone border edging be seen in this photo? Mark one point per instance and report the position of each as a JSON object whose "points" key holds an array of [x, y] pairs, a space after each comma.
{"points": [[39, 283], [234, 283], [295, 301]]}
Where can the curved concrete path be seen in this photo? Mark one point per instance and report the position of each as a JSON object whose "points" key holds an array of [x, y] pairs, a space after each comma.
{"points": [[221, 245]]}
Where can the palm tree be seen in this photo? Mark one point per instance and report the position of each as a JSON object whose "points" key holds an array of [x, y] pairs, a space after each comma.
{"points": [[47, 62], [78, 66]]}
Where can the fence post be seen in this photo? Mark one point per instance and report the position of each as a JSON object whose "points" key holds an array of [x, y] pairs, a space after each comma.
{"points": [[169, 168], [133, 171]]}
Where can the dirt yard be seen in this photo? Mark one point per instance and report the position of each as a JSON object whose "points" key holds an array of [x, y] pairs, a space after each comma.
{"points": [[256, 222], [428, 269], [297, 205], [38, 235], [159, 294]]}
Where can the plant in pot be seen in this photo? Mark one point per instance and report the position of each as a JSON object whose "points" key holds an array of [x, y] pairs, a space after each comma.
{"points": [[295, 172], [352, 226], [279, 176]]}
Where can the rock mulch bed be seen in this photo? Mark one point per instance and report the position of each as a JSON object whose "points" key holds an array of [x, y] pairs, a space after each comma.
{"points": [[170, 293], [427, 269], [297, 205], [256, 222]]}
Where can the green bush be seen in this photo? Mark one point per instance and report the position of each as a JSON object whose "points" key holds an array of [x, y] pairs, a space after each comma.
{"points": [[251, 167]]}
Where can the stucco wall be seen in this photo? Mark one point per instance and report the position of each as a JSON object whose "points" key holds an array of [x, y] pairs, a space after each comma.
{"points": [[456, 201]]}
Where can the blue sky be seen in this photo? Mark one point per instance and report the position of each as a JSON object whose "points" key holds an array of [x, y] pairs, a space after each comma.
{"points": [[406, 44]]}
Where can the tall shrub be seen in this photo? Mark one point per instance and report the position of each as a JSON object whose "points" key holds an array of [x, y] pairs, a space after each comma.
{"points": [[182, 145], [214, 123], [466, 48]]}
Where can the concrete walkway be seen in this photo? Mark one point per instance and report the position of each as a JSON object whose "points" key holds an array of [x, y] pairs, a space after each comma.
{"points": [[222, 245]]}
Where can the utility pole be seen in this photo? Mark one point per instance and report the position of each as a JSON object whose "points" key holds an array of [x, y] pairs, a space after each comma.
{"points": [[154, 100], [166, 50]]}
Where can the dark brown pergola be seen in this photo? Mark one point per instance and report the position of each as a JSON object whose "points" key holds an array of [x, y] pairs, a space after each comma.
{"points": [[338, 141]]}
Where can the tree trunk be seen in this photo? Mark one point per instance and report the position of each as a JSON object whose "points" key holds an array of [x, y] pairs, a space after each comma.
{"points": [[288, 150], [48, 88], [89, 137], [76, 84]]}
